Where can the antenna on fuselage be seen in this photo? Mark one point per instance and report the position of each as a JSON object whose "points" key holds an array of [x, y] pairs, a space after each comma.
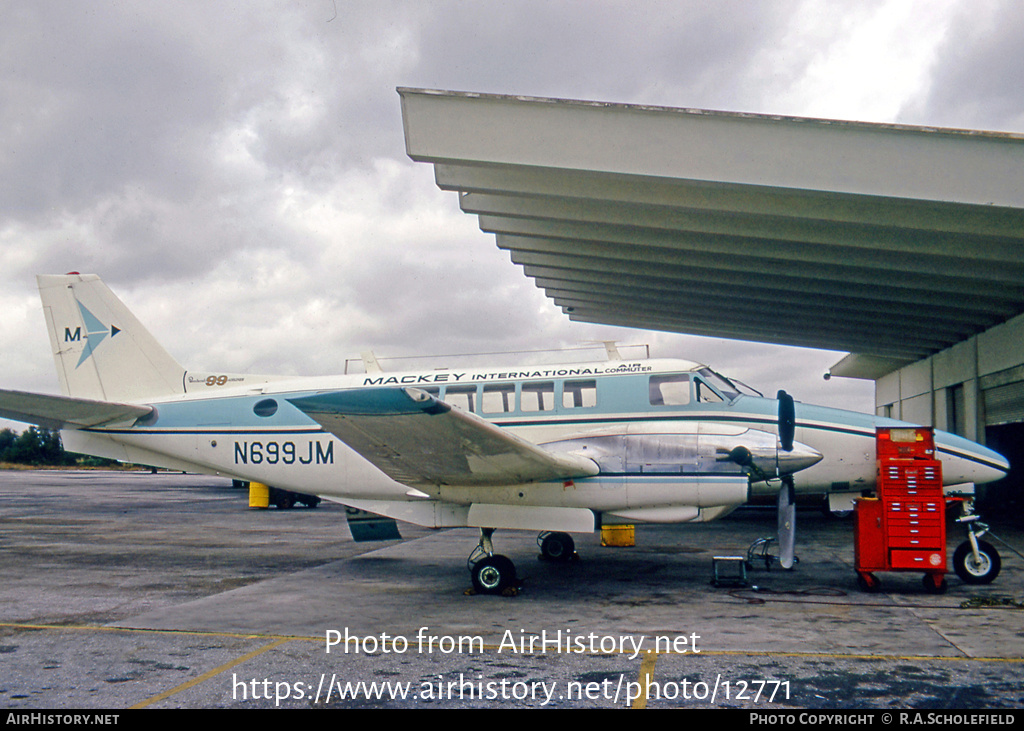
{"points": [[610, 348], [370, 362]]}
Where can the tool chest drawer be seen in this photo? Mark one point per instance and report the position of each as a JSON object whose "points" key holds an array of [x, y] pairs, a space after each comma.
{"points": [[922, 559]]}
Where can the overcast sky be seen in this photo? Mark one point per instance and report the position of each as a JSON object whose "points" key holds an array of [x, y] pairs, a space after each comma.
{"points": [[236, 171]]}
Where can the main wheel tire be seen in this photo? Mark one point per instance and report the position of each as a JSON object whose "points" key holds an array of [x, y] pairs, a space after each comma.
{"points": [[493, 574], [983, 571], [557, 547]]}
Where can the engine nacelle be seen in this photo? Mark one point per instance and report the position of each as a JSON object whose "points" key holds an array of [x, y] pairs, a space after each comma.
{"points": [[752, 452]]}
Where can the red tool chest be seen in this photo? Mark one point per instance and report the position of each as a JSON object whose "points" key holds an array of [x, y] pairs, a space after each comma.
{"points": [[903, 528]]}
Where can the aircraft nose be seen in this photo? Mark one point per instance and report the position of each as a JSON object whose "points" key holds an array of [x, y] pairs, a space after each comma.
{"points": [[996, 469], [965, 461], [800, 457]]}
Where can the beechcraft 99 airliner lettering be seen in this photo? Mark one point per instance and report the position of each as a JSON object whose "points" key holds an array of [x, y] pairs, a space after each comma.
{"points": [[558, 449]]}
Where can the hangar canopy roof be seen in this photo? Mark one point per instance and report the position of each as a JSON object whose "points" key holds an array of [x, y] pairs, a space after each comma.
{"points": [[891, 242]]}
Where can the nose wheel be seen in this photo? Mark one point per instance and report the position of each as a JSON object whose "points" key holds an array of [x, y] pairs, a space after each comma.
{"points": [[976, 568], [975, 561]]}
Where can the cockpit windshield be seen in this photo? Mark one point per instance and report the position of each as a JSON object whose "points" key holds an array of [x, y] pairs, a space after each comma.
{"points": [[729, 388]]}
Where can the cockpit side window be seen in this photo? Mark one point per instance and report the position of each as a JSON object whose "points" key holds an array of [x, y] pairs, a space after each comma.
{"points": [[706, 394], [672, 390], [725, 387]]}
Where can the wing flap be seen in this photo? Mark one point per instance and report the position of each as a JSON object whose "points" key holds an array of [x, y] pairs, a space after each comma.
{"points": [[61, 412], [417, 439]]}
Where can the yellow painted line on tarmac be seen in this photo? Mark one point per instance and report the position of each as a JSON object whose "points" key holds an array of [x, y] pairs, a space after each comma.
{"points": [[210, 674], [646, 674], [857, 656], [144, 630]]}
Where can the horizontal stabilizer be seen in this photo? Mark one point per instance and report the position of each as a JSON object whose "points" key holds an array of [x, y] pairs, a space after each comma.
{"points": [[61, 412], [417, 439]]}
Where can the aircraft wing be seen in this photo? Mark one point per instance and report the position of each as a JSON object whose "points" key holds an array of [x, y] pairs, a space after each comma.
{"points": [[417, 439], [61, 412]]}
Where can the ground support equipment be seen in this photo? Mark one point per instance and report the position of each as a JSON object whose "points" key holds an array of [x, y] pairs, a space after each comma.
{"points": [[903, 528]]}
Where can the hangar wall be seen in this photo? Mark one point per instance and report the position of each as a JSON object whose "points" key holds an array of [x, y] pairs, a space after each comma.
{"points": [[975, 384], [976, 389]]}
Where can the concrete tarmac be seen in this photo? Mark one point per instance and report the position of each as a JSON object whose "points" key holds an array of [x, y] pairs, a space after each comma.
{"points": [[129, 590]]}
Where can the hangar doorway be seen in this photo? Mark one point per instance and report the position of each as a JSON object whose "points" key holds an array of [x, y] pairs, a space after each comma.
{"points": [[1006, 497]]}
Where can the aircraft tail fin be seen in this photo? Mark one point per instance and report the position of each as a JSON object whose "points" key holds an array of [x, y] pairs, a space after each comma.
{"points": [[101, 350]]}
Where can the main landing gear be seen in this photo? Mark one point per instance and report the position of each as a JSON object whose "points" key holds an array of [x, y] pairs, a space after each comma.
{"points": [[492, 573], [557, 547]]}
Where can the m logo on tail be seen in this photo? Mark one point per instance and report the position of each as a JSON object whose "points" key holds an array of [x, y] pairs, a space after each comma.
{"points": [[95, 332]]}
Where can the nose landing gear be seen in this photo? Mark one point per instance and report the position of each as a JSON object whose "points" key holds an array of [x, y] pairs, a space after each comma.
{"points": [[975, 561]]}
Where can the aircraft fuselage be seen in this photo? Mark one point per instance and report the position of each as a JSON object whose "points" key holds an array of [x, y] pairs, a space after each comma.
{"points": [[660, 431]]}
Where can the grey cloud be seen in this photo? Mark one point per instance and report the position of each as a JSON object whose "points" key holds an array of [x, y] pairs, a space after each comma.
{"points": [[184, 151], [976, 79], [678, 53]]}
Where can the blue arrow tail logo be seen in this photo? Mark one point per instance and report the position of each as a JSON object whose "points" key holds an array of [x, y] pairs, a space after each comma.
{"points": [[95, 332]]}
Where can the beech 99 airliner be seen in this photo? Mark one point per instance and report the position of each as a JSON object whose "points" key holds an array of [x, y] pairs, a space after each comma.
{"points": [[557, 449]]}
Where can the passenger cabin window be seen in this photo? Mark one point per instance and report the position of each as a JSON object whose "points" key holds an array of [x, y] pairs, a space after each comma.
{"points": [[265, 408], [498, 398], [671, 390], [461, 397], [537, 397], [579, 394]]}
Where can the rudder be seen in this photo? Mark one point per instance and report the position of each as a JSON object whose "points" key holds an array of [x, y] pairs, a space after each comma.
{"points": [[101, 350]]}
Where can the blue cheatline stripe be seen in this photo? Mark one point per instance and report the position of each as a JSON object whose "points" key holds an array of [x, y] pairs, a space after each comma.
{"points": [[589, 422]]}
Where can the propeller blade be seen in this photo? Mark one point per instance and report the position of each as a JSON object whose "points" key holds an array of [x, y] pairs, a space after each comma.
{"points": [[787, 421], [787, 522]]}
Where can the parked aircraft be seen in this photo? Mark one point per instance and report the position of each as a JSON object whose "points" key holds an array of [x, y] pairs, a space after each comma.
{"points": [[558, 449]]}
